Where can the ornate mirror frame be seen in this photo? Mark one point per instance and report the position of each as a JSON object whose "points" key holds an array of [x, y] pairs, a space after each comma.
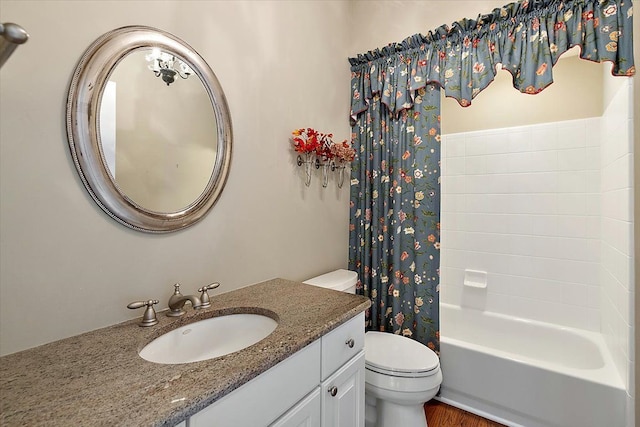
{"points": [[83, 128]]}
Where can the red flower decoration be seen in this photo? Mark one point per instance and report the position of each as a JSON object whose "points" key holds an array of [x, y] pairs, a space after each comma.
{"points": [[324, 148], [310, 141], [305, 140], [343, 151]]}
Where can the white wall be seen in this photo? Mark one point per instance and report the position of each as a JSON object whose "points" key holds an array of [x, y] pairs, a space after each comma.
{"points": [[376, 23], [633, 407], [565, 99], [523, 204], [617, 251], [65, 266]]}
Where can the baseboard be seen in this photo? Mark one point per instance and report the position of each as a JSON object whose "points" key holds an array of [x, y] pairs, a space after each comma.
{"points": [[477, 412]]}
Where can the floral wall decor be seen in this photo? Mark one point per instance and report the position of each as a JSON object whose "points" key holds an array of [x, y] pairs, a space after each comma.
{"points": [[318, 149]]}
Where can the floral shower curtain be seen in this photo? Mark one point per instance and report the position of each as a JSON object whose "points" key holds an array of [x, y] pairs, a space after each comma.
{"points": [[395, 213], [394, 228]]}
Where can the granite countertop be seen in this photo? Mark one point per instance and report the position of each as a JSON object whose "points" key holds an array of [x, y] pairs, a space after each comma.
{"points": [[97, 378]]}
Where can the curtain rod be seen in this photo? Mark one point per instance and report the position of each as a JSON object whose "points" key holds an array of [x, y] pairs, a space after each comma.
{"points": [[12, 36]]}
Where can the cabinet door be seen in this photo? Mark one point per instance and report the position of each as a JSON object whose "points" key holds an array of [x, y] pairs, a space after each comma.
{"points": [[343, 395], [304, 414], [262, 400]]}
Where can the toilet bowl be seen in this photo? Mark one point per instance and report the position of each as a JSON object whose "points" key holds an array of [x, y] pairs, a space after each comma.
{"points": [[401, 374]]}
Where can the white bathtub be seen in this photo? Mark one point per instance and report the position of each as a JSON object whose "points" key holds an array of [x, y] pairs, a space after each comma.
{"points": [[526, 373]]}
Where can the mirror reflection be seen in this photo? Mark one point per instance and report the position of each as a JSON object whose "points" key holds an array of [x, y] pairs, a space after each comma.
{"points": [[158, 130]]}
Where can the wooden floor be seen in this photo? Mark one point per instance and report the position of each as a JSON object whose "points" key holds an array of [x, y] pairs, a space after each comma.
{"points": [[442, 415]]}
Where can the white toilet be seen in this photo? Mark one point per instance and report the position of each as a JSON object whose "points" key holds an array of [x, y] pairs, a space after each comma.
{"points": [[401, 374]]}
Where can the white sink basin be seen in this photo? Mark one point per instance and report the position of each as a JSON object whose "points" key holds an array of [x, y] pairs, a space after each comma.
{"points": [[209, 338]]}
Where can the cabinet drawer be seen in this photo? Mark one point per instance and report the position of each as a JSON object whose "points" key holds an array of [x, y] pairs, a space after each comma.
{"points": [[341, 344]]}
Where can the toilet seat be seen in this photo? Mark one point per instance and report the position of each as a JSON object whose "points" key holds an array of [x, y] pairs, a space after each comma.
{"points": [[401, 374], [398, 356]]}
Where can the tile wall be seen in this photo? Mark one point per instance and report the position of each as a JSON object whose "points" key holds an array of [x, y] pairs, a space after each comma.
{"points": [[524, 205], [617, 230], [547, 211]]}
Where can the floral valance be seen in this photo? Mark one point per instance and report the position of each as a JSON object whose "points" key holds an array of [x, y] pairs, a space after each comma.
{"points": [[526, 37]]}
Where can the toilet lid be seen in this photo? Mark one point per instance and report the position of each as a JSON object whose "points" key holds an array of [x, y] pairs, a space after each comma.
{"points": [[339, 280], [392, 354]]}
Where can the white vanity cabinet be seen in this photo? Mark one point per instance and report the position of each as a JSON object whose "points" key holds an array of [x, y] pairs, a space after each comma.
{"points": [[321, 385]]}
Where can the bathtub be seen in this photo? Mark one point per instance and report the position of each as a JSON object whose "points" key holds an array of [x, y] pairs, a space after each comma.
{"points": [[524, 373]]}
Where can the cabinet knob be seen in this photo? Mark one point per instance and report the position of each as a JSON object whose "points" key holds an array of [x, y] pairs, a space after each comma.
{"points": [[350, 342], [333, 391]]}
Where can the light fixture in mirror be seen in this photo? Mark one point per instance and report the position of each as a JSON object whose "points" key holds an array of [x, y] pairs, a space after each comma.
{"points": [[154, 156], [167, 66]]}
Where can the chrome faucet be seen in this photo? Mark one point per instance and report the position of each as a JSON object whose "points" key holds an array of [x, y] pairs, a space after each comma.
{"points": [[149, 317], [204, 296], [177, 301]]}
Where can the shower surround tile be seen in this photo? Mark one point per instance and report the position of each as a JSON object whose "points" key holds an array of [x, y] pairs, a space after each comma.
{"points": [[530, 218], [547, 211]]}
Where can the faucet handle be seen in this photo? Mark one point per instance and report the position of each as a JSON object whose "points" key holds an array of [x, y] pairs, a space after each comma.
{"points": [[149, 317], [204, 297]]}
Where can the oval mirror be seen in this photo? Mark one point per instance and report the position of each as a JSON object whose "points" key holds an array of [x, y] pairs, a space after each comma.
{"points": [[149, 129]]}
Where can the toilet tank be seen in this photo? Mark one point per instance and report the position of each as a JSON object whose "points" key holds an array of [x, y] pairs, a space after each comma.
{"points": [[338, 280]]}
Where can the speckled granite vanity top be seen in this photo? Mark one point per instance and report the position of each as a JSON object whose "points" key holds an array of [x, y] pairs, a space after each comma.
{"points": [[97, 378]]}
